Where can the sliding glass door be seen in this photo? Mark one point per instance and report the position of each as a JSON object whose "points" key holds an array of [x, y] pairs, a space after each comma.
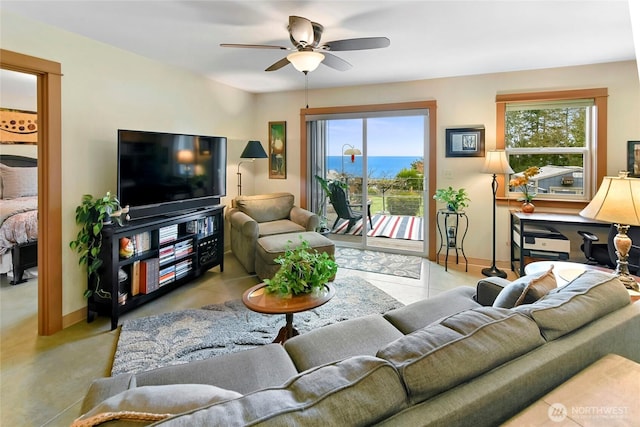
{"points": [[377, 159]]}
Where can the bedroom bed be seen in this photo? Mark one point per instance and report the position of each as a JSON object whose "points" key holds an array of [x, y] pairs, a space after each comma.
{"points": [[18, 215]]}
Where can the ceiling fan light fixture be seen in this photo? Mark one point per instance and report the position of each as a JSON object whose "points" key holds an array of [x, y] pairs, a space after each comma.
{"points": [[305, 61]]}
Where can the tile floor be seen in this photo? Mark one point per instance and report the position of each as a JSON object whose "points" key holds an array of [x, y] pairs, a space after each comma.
{"points": [[43, 379]]}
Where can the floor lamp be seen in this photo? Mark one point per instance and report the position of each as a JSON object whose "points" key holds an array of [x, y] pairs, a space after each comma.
{"points": [[252, 151], [618, 201], [495, 164]]}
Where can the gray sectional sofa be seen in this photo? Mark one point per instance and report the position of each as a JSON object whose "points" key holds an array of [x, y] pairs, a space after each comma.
{"points": [[452, 360]]}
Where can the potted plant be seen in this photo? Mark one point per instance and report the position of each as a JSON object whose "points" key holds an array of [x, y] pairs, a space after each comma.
{"points": [[302, 270], [522, 181], [91, 215], [455, 200]]}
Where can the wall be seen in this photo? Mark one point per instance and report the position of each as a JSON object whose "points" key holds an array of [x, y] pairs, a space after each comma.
{"points": [[465, 101], [18, 91], [104, 89]]}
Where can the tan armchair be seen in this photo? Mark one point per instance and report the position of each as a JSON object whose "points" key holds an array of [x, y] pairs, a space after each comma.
{"points": [[252, 217]]}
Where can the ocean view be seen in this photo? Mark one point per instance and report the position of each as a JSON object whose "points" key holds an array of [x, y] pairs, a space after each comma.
{"points": [[377, 166]]}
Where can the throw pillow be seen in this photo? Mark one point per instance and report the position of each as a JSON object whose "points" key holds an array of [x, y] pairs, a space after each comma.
{"points": [[539, 287], [517, 291], [153, 403]]}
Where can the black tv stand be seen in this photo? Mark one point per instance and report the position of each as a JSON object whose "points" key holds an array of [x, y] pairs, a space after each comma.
{"points": [[170, 251]]}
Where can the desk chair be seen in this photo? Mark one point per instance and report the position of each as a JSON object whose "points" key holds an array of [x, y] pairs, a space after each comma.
{"points": [[605, 253]]}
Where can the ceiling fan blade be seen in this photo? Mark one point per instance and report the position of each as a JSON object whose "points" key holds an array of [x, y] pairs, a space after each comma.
{"points": [[276, 66], [357, 44], [253, 46], [300, 30], [335, 62]]}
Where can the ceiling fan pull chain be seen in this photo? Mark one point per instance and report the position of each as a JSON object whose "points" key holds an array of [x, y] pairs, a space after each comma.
{"points": [[306, 89]]}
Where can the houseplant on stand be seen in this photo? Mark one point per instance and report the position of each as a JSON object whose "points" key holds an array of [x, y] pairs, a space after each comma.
{"points": [[303, 270], [91, 215], [528, 194], [456, 200]]}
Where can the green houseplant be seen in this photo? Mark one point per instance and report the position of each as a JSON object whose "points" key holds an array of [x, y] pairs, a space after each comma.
{"points": [[302, 270], [91, 215], [454, 199]]}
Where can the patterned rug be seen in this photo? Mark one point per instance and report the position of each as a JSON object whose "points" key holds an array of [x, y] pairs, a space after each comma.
{"points": [[392, 226], [183, 336], [379, 262]]}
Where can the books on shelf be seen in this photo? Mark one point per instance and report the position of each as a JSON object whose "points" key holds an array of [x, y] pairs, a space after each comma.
{"points": [[183, 248], [183, 268], [167, 275], [168, 234], [142, 242], [167, 254], [149, 280]]}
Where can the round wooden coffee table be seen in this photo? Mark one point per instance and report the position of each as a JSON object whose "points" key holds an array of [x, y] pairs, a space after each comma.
{"points": [[259, 300]]}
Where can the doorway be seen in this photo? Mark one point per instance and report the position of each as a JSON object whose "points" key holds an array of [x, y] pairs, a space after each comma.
{"points": [[378, 156], [49, 184]]}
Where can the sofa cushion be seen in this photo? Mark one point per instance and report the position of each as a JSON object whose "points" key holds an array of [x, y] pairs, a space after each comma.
{"points": [[460, 347], [585, 299], [357, 391], [222, 371], [526, 289], [266, 207], [277, 227], [424, 312], [153, 403], [359, 336]]}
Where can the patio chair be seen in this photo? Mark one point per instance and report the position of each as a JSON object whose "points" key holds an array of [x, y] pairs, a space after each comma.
{"points": [[343, 208]]}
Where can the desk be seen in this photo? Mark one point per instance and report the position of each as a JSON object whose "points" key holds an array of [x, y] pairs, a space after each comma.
{"points": [[520, 220], [605, 393], [451, 234]]}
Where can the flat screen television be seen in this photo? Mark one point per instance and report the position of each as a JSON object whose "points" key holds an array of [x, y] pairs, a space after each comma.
{"points": [[165, 173]]}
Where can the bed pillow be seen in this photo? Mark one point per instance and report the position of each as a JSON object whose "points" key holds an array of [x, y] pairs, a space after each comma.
{"points": [[18, 182]]}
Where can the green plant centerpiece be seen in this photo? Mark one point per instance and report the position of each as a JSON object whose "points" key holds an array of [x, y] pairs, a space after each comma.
{"points": [[91, 215], [455, 200], [302, 270]]}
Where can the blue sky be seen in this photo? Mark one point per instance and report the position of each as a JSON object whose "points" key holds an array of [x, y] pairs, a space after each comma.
{"points": [[387, 136]]}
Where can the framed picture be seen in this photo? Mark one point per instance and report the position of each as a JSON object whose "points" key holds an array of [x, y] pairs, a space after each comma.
{"points": [[633, 158], [18, 126], [277, 150], [465, 142]]}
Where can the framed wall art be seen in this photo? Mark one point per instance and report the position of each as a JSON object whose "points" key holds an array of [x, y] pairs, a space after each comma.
{"points": [[633, 158], [277, 150], [465, 142], [18, 126]]}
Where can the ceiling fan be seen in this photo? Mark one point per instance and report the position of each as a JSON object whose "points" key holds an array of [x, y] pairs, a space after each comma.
{"points": [[309, 53]]}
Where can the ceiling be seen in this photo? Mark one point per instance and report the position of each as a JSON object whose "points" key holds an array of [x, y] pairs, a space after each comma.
{"points": [[429, 39]]}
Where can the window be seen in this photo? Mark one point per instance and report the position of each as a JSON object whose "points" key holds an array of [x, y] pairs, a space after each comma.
{"points": [[561, 133]]}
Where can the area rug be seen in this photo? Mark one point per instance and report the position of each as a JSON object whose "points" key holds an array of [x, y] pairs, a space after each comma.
{"points": [[379, 262], [392, 226], [183, 336]]}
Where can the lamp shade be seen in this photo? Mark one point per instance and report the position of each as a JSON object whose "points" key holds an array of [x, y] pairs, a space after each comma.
{"points": [[305, 61], [352, 152], [617, 201], [496, 163], [185, 157], [253, 150]]}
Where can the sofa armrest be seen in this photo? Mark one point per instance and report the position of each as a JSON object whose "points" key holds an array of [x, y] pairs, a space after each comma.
{"points": [[103, 388], [242, 222], [304, 218], [488, 289]]}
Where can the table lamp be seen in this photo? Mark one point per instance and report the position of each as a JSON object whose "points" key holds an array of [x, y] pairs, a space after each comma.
{"points": [[618, 201], [495, 163], [252, 151]]}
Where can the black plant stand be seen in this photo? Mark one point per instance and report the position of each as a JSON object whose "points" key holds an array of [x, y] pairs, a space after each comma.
{"points": [[451, 233]]}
